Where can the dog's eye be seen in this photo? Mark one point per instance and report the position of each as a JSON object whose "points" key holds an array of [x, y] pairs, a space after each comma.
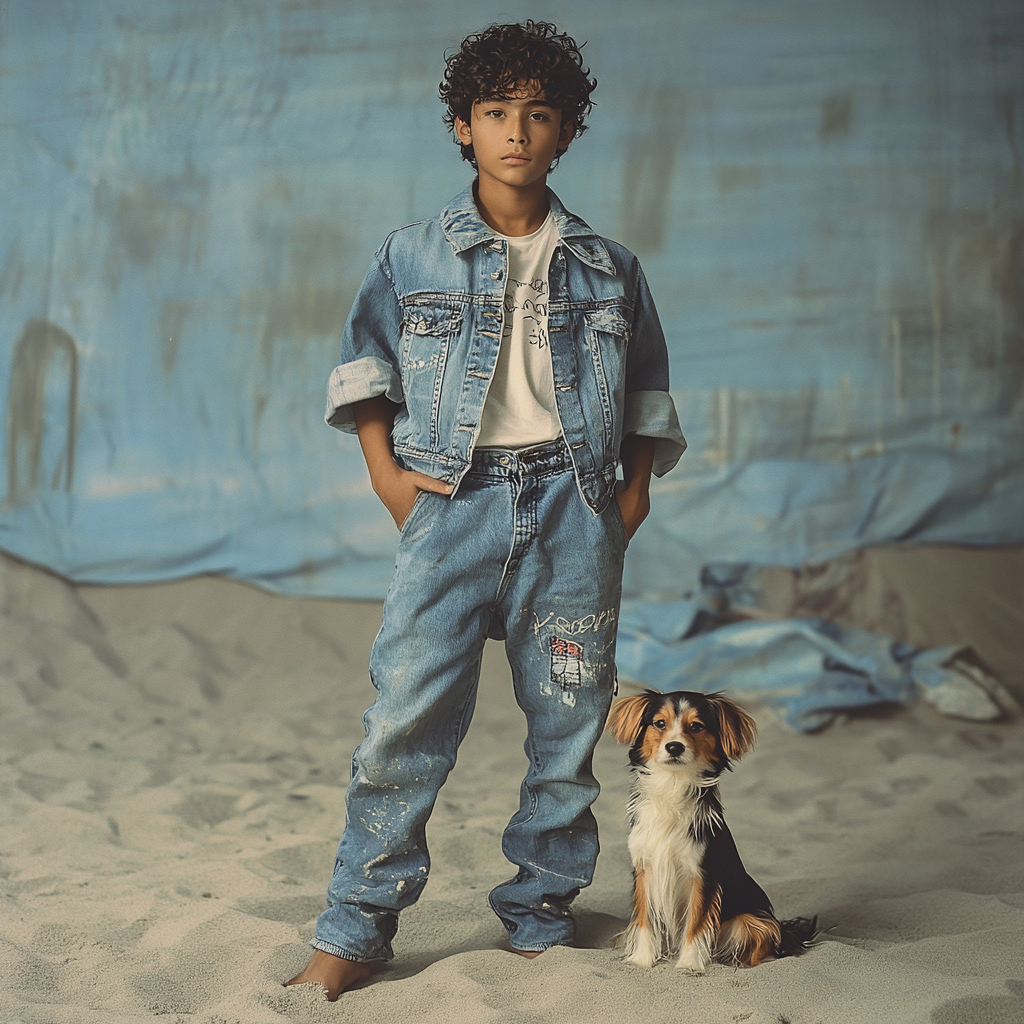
{"points": [[696, 727], [658, 723]]}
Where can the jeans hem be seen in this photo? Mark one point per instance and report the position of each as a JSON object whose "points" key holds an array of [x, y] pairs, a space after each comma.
{"points": [[543, 947], [339, 951]]}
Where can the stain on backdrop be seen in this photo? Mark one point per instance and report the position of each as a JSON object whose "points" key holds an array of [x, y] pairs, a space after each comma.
{"points": [[826, 197]]}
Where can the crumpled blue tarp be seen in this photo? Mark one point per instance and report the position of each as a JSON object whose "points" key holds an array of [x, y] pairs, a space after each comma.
{"points": [[808, 669]]}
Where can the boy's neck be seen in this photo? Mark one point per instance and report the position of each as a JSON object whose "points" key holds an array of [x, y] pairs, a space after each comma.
{"points": [[511, 210]]}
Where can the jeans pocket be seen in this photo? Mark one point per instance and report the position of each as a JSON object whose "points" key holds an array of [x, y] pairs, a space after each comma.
{"points": [[617, 515], [416, 506]]}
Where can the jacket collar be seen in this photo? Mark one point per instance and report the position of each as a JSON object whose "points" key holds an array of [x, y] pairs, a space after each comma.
{"points": [[464, 228]]}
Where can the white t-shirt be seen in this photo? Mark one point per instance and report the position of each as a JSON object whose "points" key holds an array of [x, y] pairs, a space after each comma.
{"points": [[520, 407]]}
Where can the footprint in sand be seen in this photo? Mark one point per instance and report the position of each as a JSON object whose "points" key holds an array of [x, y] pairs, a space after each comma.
{"points": [[312, 862], [285, 909], [998, 785]]}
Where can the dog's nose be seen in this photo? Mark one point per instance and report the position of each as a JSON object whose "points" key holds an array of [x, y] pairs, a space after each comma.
{"points": [[674, 749]]}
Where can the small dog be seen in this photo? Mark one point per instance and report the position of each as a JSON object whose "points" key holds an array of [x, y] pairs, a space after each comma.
{"points": [[690, 891]]}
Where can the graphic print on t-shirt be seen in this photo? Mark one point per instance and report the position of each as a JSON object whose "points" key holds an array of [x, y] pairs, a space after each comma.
{"points": [[527, 306], [520, 407]]}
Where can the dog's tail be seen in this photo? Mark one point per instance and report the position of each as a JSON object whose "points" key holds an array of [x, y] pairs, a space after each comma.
{"points": [[798, 935]]}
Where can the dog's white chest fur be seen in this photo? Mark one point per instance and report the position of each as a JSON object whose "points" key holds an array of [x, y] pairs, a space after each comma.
{"points": [[663, 850], [663, 809]]}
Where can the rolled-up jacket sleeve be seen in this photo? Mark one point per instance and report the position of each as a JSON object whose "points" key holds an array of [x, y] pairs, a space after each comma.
{"points": [[370, 362], [649, 409]]}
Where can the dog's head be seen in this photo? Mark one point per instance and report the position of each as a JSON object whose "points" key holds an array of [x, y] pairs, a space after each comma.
{"points": [[682, 730]]}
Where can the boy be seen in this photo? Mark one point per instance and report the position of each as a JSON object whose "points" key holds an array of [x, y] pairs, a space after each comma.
{"points": [[497, 362]]}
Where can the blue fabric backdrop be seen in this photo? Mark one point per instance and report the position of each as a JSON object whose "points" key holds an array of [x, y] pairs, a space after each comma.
{"points": [[826, 197]]}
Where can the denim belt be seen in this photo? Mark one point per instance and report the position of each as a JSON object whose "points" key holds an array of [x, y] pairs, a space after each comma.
{"points": [[538, 460]]}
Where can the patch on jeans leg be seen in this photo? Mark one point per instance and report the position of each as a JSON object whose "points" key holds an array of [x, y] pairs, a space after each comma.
{"points": [[566, 667]]}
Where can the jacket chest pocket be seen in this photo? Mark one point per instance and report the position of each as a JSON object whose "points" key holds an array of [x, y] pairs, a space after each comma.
{"points": [[607, 335], [428, 332], [610, 322]]}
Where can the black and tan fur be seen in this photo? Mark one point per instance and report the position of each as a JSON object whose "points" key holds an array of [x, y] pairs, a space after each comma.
{"points": [[691, 896]]}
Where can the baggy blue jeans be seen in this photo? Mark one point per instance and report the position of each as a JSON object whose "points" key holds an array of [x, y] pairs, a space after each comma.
{"points": [[517, 555]]}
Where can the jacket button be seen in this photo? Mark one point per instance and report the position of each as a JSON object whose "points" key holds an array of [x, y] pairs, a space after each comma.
{"points": [[496, 275]]}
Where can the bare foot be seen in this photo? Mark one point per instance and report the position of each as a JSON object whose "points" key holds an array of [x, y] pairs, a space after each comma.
{"points": [[530, 954], [332, 972]]}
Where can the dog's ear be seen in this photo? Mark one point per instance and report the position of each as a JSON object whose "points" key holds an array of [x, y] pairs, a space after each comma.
{"points": [[736, 729], [625, 717]]}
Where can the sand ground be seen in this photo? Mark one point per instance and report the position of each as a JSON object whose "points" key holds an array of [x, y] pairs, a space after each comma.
{"points": [[174, 761]]}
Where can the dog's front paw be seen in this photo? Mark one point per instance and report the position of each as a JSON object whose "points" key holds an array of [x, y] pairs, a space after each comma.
{"points": [[692, 959], [641, 949], [642, 959]]}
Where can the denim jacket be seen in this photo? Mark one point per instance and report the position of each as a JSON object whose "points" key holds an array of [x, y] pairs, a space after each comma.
{"points": [[425, 327]]}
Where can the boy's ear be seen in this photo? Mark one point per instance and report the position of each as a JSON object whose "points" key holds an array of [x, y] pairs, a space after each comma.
{"points": [[462, 131], [565, 136]]}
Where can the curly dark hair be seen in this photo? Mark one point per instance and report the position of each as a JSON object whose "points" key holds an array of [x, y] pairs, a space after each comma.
{"points": [[491, 64]]}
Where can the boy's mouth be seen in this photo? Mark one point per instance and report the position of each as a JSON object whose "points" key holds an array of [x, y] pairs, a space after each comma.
{"points": [[515, 159]]}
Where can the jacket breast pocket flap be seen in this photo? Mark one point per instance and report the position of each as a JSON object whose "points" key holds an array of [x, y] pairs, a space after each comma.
{"points": [[432, 321], [609, 321]]}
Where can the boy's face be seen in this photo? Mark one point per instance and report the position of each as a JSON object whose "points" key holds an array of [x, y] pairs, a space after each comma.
{"points": [[516, 139]]}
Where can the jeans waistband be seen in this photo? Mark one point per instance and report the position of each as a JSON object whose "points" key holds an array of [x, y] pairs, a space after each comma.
{"points": [[542, 459]]}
